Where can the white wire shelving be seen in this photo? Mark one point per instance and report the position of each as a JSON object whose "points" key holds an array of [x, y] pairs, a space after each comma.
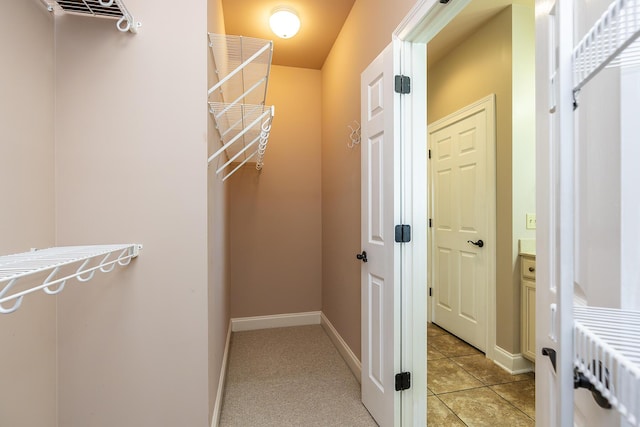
{"points": [[59, 264], [612, 41], [607, 352], [237, 100], [114, 9], [606, 341]]}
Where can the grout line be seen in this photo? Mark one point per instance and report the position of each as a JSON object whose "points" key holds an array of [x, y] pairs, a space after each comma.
{"points": [[488, 386]]}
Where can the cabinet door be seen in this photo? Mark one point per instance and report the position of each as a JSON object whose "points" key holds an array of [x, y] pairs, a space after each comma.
{"points": [[528, 335]]}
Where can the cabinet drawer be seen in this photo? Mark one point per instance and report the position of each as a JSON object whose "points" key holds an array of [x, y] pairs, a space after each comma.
{"points": [[528, 267]]}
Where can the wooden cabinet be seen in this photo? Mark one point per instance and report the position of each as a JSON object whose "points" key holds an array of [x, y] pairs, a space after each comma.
{"points": [[528, 308]]}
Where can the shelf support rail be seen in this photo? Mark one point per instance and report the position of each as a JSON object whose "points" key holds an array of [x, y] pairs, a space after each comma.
{"points": [[52, 261]]}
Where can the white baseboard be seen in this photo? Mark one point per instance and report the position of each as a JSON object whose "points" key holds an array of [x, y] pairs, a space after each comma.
{"points": [[217, 407], [512, 363], [275, 321], [344, 350]]}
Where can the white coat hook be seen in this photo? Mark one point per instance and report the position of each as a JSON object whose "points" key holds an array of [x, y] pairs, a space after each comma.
{"points": [[60, 287], [103, 263], [123, 258], [81, 270], [18, 300], [123, 24], [354, 135]]}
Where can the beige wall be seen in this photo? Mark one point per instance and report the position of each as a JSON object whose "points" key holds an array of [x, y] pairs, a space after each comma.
{"points": [[366, 32], [131, 126], [274, 215], [218, 237], [481, 65], [28, 355]]}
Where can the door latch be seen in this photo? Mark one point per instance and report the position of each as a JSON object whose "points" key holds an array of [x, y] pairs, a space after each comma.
{"points": [[363, 256]]}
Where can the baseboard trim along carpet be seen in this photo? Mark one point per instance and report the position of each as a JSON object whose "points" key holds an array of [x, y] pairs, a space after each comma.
{"points": [[275, 321], [344, 350], [512, 363], [217, 407]]}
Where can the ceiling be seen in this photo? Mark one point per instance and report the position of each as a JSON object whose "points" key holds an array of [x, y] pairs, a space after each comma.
{"points": [[320, 24], [321, 21]]}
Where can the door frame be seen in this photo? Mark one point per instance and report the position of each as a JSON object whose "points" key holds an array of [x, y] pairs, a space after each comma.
{"points": [[488, 104], [423, 22]]}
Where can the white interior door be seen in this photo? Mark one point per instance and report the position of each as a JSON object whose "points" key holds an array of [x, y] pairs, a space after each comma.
{"points": [[380, 302], [462, 243]]}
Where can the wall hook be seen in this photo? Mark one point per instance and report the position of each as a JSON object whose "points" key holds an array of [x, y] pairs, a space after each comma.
{"points": [[354, 135]]}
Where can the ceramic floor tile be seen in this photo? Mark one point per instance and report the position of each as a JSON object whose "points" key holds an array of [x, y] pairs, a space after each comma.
{"points": [[483, 407], [433, 330], [433, 354], [444, 376], [486, 370], [438, 415], [451, 346], [521, 394], [429, 392]]}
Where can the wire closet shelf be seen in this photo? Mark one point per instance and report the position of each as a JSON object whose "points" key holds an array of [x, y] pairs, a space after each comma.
{"points": [[606, 349], [114, 9], [237, 99], [59, 264]]}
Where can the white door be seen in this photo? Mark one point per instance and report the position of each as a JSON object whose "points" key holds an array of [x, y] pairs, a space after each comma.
{"points": [[463, 190], [554, 205], [380, 302]]}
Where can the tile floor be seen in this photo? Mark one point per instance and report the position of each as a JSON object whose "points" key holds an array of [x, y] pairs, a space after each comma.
{"points": [[467, 389]]}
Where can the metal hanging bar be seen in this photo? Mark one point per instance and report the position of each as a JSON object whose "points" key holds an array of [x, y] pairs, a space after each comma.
{"points": [[27, 265]]}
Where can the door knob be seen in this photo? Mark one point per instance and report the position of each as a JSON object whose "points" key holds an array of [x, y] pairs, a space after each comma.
{"points": [[363, 256], [479, 243]]}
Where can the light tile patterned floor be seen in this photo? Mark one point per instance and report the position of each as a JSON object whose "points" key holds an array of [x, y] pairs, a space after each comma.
{"points": [[467, 389]]}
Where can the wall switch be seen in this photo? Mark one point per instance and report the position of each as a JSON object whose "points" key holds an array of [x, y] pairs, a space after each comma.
{"points": [[531, 221]]}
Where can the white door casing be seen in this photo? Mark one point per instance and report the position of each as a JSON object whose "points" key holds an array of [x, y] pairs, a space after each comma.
{"points": [[380, 210], [555, 212], [463, 188]]}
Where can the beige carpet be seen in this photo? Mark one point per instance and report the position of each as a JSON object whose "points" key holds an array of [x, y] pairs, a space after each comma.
{"points": [[290, 377]]}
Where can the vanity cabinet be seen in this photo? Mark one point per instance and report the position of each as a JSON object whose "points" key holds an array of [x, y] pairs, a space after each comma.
{"points": [[528, 308]]}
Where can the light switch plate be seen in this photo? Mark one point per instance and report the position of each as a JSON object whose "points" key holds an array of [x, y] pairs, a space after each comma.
{"points": [[531, 221]]}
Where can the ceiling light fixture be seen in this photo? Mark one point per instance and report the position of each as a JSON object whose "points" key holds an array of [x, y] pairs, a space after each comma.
{"points": [[284, 22]]}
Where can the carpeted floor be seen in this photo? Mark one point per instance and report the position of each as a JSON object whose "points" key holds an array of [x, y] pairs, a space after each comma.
{"points": [[290, 377]]}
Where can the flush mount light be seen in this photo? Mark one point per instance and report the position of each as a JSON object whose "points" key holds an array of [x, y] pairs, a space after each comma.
{"points": [[284, 22]]}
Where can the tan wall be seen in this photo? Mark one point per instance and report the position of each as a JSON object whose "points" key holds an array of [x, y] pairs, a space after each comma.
{"points": [[131, 126], [28, 336], [366, 32], [481, 65], [274, 216], [218, 237]]}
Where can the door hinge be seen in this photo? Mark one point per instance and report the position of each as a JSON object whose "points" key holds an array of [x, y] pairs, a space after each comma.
{"points": [[403, 381], [430, 223], [403, 233], [403, 84], [430, 292], [429, 153]]}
